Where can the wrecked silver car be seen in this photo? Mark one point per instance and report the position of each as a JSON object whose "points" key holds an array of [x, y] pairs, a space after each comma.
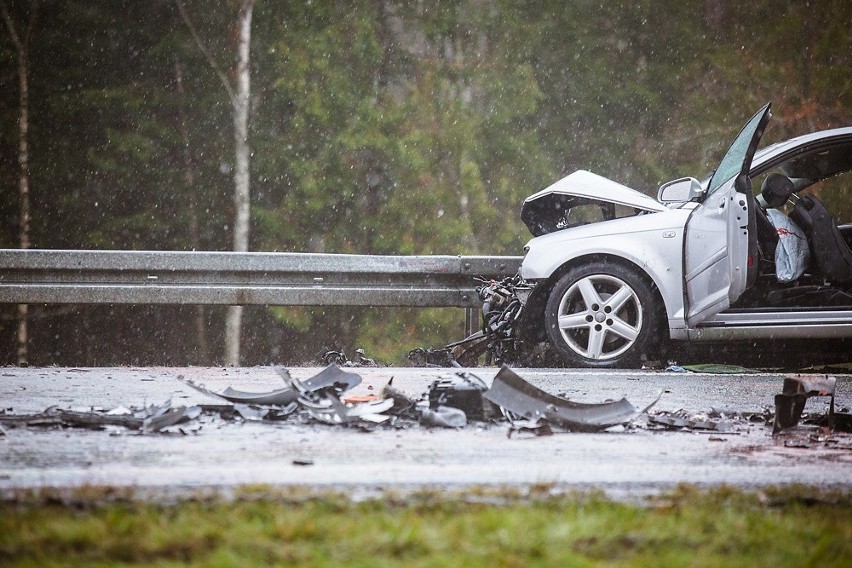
{"points": [[747, 253]]}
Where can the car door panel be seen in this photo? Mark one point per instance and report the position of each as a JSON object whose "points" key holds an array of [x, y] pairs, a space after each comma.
{"points": [[718, 243]]}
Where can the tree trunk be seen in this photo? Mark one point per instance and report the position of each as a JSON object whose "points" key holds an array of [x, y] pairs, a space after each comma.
{"points": [[240, 105], [22, 45], [202, 344], [233, 320]]}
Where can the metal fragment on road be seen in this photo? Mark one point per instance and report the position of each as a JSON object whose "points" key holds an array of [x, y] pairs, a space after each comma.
{"points": [[167, 415], [794, 393], [331, 376], [512, 393]]}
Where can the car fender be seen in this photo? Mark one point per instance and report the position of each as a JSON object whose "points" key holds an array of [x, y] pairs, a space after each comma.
{"points": [[652, 242]]}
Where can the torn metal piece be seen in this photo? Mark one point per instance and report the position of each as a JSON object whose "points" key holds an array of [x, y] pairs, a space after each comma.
{"points": [[332, 376], [442, 416], [279, 397], [794, 393], [514, 394], [167, 415]]}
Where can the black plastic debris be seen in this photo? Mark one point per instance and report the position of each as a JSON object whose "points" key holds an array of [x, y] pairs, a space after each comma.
{"points": [[463, 391], [521, 399], [795, 392]]}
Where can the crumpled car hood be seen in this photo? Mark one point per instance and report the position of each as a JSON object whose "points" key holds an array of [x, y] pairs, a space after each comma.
{"points": [[545, 211]]}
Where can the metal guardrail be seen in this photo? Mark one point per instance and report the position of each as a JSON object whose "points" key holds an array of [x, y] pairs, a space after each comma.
{"points": [[255, 278]]}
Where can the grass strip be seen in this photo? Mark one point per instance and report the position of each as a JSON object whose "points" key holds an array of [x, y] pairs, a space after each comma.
{"points": [[793, 526]]}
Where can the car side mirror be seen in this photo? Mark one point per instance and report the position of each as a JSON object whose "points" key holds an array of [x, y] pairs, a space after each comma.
{"points": [[679, 191]]}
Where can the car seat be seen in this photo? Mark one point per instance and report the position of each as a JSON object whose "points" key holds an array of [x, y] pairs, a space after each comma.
{"points": [[830, 251]]}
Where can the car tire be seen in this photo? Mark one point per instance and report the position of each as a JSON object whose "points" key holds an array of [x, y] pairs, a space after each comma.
{"points": [[603, 314]]}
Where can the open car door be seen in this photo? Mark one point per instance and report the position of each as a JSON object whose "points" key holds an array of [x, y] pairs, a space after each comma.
{"points": [[721, 243]]}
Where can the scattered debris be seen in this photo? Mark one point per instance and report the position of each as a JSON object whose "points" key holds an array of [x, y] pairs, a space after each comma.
{"points": [[452, 401], [681, 420], [149, 420], [339, 358], [518, 398], [795, 392], [713, 368]]}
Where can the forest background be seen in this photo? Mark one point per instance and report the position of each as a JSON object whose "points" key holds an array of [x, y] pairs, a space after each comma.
{"points": [[374, 127]]}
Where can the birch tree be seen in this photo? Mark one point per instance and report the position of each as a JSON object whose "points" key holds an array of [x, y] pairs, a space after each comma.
{"points": [[238, 94], [22, 47]]}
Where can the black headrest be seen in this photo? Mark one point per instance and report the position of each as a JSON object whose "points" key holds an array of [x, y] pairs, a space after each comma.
{"points": [[776, 189]]}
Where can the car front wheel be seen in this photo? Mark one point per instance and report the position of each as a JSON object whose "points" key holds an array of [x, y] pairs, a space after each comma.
{"points": [[602, 315]]}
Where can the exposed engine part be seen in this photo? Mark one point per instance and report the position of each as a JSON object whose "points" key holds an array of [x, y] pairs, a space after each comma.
{"points": [[501, 312]]}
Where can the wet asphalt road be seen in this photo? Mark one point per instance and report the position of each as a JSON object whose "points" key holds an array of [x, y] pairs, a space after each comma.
{"points": [[220, 455]]}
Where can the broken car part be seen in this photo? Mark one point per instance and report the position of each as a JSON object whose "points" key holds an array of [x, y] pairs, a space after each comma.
{"points": [[330, 377], [517, 396], [463, 391], [331, 410], [167, 415], [442, 416], [795, 392]]}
